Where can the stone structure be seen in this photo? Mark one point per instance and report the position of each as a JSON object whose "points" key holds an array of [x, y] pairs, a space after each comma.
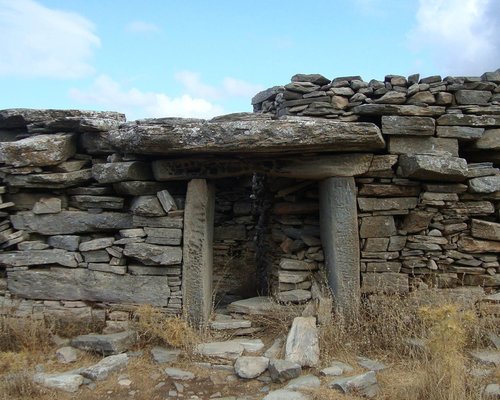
{"points": [[384, 186]]}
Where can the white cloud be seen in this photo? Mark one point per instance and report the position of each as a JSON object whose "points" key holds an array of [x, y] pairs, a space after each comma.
{"points": [[462, 36], [142, 27], [38, 41], [229, 88], [105, 92]]}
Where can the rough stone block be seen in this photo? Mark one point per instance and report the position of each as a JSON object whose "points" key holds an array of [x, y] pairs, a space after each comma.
{"points": [[122, 171], [465, 97], [302, 343], [433, 167], [408, 126], [485, 230], [396, 203], [380, 226], [150, 254], [459, 132], [485, 184], [422, 145]]}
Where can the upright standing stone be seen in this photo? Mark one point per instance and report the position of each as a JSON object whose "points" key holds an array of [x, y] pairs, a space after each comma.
{"points": [[198, 258], [339, 236]]}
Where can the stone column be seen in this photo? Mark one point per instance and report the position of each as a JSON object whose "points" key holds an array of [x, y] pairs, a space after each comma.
{"points": [[197, 253], [340, 240]]}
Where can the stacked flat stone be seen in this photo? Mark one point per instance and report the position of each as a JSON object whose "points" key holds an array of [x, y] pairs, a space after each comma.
{"points": [[87, 228]]}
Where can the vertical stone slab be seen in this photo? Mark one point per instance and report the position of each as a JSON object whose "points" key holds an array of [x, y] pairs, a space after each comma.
{"points": [[340, 240], [198, 255]]}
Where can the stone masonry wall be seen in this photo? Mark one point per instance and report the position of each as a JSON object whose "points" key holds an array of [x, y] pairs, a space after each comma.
{"points": [[429, 207]]}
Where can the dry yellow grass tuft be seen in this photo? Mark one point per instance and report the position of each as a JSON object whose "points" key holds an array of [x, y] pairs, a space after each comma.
{"points": [[25, 334]]}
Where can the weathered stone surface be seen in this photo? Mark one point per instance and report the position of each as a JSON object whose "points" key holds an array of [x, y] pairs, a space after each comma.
{"points": [[66, 355], [339, 236], [68, 222], [250, 345], [38, 257], [68, 382], [469, 120], [372, 365], [164, 236], [422, 145], [302, 343], [317, 79], [297, 265], [166, 200], [226, 350], [408, 126], [114, 343], [150, 254], [50, 181], [106, 366], [490, 140], [65, 242], [492, 391], [365, 384], [293, 276], [266, 94], [304, 382], [487, 356], [480, 97], [96, 244], [396, 203], [380, 226], [83, 284], [394, 109], [433, 167], [336, 368], [179, 374], [384, 190], [47, 205], [485, 230], [226, 324], [249, 367], [387, 282], [459, 132], [283, 370], [185, 136], [38, 151], [162, 356], [254, 306], [138, 188], [485, 184], [122, 171], [147, 206], [157, 222], [294, 296], [197, 250], [284, 394], [470, 245], [382, 166]]}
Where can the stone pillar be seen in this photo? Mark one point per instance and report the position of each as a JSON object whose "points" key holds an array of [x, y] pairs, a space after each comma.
{"points": [[340, 240], [198, 253]]}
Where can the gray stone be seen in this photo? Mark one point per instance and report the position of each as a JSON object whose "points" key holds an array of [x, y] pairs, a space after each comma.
{"points": [[150, 254], [250, 367], [122, 171], [372, 365], [492, 391], [284, 394], [485, 184], [485, 230], [392, 97], [106, 366], [164, 236], [32, 245], [162, 356], [47, 205], [179, 374], [257, 135], [166, 200], [489, 141], [227, 324], [384, 204], [68, 382], [393, 109], [487, 356], [317, 79], [380, 226], [424, 97], [68, 222], [365, 384], [147, 206], [225, 350], [96, 244], [336, 368], [422, 145], [114, 343], [283, 370], [66, 355], [157, 222], [304, 382], [302, 343], [254, 306], [460, 132], [296, 265], [433, 167], [138, 188], [85, 202], [469, 120], [408, 126], [302, 87], [339, 237], [250, 345], [59, 180], [197, 250], [86, 285], [293, 276], [38, 151], [38, 257], [65, 242], [294, 296], [266, 94], [275, 349], [480, 97]]}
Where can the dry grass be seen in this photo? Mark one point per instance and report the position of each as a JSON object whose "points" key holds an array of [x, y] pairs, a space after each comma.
{"points": [[25, 334]]}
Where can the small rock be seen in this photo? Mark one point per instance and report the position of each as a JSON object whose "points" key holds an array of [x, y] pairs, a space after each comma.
{"points": [[107, 365], [179, 374], [113, 343], [283, 370], [487, 356], [162, 356], [250, 345], [227, 350], [275, 349], [283, 394], [302, 343], [365, 384], [68, 382], [250, 367], [125, 382], [66, 355], [492, 391], [372, 365], [336, 368], [304, 382]]}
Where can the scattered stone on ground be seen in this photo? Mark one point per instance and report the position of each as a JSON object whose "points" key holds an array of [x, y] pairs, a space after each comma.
{"points": [[113, 343], [364, 384], [283, 370], [250, 367], [107, 365]]}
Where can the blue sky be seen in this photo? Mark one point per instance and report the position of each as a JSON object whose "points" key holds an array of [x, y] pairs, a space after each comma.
{"points": [[198, 58]]}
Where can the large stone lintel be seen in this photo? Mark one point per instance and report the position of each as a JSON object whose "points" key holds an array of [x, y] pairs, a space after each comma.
{"points": [[171, 136], [318, 167]]}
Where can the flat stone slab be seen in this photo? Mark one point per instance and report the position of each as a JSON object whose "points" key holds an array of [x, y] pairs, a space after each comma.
{"points": [[249, 135], [304, 382], [226, 350], [250, 367], [150, 254], [179, 374], [230, 324], [283, 370], [364, 384], [485, 184], [113, 343], [68, 382], [38, 257], [285, 394], [162, 356], [372, 365], [122, 171], [487, 356], [254, 306], [302, 343], [336, 368], [433, 167], [250, 345], [106, 366]]}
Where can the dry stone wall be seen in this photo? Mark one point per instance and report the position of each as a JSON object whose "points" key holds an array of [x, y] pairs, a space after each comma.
{"points": [[428, 206]]}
